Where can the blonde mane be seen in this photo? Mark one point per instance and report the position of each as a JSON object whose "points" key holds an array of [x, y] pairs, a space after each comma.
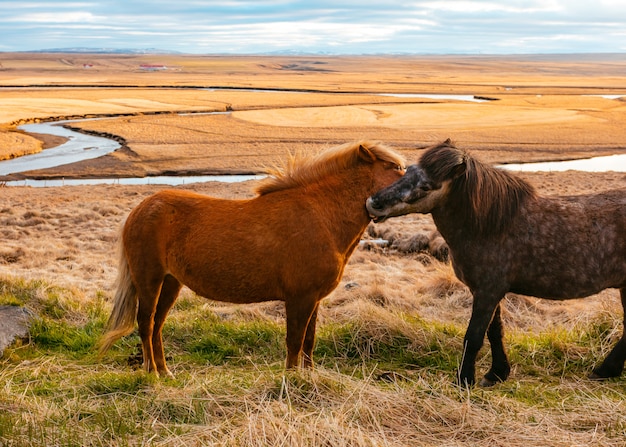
{"points": [[299, 170]]}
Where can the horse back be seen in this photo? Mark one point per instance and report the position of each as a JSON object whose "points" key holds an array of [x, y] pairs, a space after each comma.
{"points": [[573, 246], [556, 247]]}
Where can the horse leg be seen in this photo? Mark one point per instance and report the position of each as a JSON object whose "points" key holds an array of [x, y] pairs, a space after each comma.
{"points": [[613, 365], [299, 314], [169, 292], [148, 297], [483, 309], [309, 341], [500, 367]]}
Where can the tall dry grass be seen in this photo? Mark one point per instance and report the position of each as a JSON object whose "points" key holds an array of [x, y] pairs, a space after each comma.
{"points": [[389, 341], [384, 378]]}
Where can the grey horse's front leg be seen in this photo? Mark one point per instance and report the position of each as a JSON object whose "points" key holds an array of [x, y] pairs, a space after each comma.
{"points": [[483, 310]]}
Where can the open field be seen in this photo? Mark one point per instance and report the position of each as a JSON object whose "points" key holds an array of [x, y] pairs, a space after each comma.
{"points": [[540, 110], [390, 335]]}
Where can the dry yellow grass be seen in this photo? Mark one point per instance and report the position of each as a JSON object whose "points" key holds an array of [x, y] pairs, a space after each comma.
{"points": [[540, 113], [510, 130], [405, 74], [15, 144]]}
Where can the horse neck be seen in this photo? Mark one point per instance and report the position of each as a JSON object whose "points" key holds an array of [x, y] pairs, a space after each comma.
{"points": [[341, 201], [460, 219], [451, 223]]}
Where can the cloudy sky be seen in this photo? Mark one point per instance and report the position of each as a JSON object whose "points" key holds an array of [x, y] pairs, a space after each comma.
{"points": [[308, 26]]}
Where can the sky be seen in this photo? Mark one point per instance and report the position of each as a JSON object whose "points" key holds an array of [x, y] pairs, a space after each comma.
{"points": [[310, 27]]}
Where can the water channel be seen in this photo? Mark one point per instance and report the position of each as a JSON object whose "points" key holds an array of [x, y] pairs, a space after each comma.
{"points": [[83, 147], [615, 163], [78, 147]]}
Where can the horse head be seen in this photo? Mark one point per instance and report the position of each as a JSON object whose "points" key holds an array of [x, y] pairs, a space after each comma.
{"points": [[414, 192]]}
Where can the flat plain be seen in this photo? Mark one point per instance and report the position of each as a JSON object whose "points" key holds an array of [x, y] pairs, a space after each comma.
{"points": [[58, 250]]}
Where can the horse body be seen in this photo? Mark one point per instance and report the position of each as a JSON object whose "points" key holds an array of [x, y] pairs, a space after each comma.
{"points": [[504, 237], [584, 233], [223, 249], [290, 243]]}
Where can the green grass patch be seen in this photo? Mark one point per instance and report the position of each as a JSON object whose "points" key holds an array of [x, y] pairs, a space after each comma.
{"points": [[119, 382], [221, 342], [18, 292], [352, 344], [562, 351]]}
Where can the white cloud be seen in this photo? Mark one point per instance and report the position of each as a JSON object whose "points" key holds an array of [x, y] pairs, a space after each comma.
{"points": [[16, 6], [56, 17], [487, 7]]}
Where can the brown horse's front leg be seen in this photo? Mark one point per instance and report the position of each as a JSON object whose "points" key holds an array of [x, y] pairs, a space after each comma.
{"points": [[309, 341], [299, 314]]}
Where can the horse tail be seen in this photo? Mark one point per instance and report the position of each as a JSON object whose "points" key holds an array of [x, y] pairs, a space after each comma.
{"points": [[122, 319]]}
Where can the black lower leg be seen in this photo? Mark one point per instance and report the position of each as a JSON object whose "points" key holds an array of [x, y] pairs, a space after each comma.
{"points": [[613, 365], [500, 367]]}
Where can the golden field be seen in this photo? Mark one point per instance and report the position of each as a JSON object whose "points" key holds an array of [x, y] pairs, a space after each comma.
{"points": [[541, 108]]}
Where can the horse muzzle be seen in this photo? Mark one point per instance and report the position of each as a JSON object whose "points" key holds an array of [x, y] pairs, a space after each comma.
{"points": [[376, 215]]}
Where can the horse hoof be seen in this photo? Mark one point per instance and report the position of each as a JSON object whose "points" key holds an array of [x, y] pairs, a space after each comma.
{"points": [[464, 383], [486, 383], [165, 374], [595, 376]]}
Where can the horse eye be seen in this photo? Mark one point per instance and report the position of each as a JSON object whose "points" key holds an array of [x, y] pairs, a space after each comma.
{"points": [[394, 167]]}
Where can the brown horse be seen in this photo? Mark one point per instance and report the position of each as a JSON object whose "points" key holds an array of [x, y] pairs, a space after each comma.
{"points": [[289, 243], [504, 237]]}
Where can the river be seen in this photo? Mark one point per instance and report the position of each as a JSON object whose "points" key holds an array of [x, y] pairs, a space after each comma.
{"points": [[78, 147], [83, 147], [615, 163]]}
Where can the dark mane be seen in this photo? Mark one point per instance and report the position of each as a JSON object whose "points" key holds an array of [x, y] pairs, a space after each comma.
{"points": [[302, 170], [489, 197]]}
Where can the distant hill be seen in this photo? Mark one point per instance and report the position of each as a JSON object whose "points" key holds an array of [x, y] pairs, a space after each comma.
{"points": [[105, 50]]}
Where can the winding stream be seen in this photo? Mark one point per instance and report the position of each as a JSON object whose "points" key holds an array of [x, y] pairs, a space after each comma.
{"points": [[83, 147], [156, 180], [78, 147]]}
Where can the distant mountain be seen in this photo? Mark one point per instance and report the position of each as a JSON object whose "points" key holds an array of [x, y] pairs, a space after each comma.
{"points": [[106, 50], [299, 53]]}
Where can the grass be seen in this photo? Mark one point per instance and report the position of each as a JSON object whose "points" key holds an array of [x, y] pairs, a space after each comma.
{"points": [[383, 378]]}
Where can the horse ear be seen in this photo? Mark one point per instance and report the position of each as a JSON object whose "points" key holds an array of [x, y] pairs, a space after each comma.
{"points": [[365, 153], [460, 168]]}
